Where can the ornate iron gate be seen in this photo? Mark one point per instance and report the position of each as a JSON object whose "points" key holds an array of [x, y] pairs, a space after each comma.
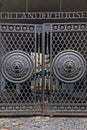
{"points": [[43, 69]]}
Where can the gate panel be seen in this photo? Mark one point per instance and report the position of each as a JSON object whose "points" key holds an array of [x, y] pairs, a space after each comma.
{"points": [[43, 69], [20, 68], [68, 45]]}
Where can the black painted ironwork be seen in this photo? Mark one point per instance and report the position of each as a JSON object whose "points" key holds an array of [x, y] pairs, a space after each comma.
{"points": [[17, 66], [43, 69], [69, 66]]}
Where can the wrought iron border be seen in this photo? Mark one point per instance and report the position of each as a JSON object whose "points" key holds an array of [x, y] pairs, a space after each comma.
{"points": [[6, 27]]}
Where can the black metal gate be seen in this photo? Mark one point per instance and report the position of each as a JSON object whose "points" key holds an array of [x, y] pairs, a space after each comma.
{"points": [[43, 69]]}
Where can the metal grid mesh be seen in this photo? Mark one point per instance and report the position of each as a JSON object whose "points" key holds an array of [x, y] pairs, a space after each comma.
{"points": [[43, 92], [18, 37], [66, 96]]}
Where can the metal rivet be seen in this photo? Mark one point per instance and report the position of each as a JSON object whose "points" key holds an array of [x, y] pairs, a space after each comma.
{"points": [[18, 28], [24, 28], [62, 27], [69, 27], [11, 27], [82, 26], [4, 27], [55, 27], [31, 28], [75, 27]]}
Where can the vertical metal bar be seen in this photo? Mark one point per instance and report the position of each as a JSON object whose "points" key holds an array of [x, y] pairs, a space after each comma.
{"points": [[0, 55], [43, 54], [39, 80], [47, 66], [47, 49], [39, 64], [51, 82], [35, 105]]}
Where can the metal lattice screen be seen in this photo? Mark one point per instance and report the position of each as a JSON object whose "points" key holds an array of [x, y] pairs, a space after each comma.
{"points": [[65, 95], [16, 40], [43, 68]]}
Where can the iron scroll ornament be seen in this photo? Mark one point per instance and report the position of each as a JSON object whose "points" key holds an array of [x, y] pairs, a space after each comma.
{"points": [[69, 66], [17, 66]]}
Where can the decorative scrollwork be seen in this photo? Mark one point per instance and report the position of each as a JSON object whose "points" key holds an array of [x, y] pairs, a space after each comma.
{"points": [[17, 66], [69, 66]]}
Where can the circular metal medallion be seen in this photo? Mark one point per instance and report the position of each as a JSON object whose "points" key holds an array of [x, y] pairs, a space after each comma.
{"points": [[17, 66], [69, 66]]}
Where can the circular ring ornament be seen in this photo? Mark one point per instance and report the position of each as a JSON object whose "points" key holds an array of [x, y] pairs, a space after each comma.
{"points": [[17, 66], [69, 66]]}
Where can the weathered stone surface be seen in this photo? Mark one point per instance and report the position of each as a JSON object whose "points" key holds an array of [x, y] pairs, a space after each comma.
{"points": [[43, 123]]}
